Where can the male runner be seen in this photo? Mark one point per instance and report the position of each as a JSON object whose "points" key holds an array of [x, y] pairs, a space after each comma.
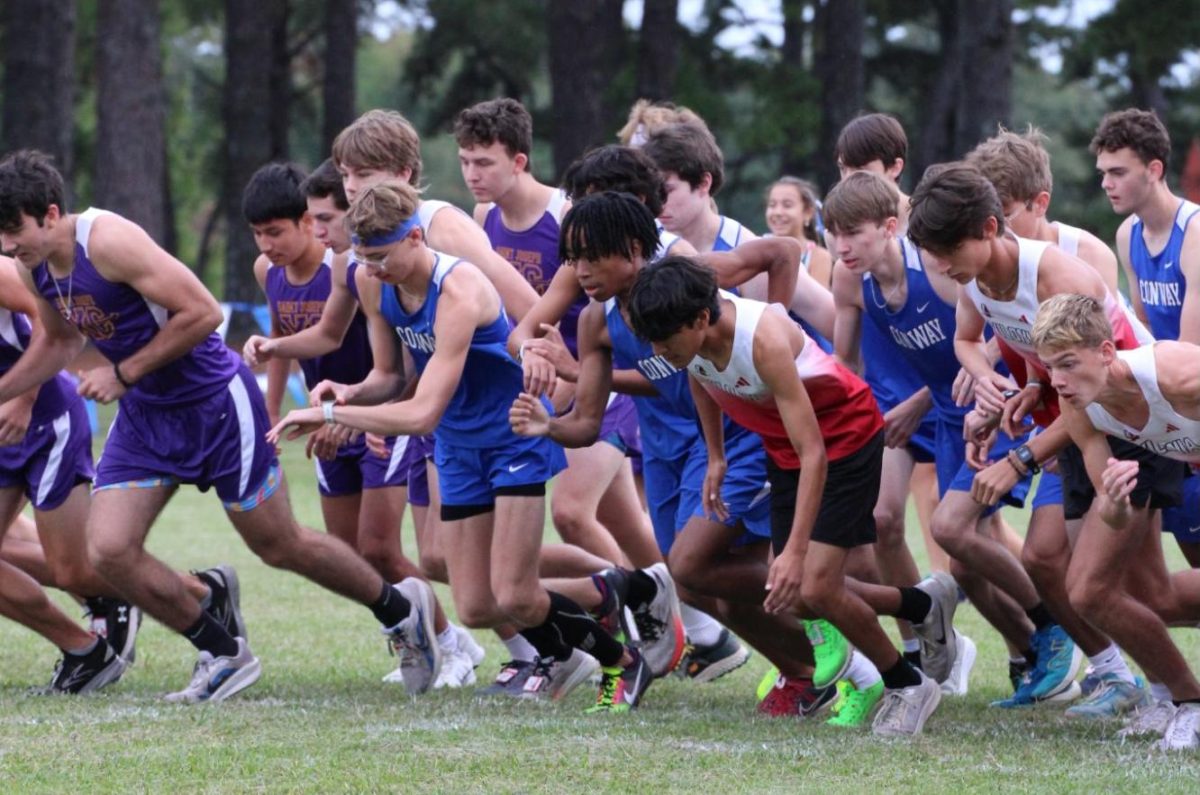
{"points": [[452, 320], [1149, 396], [824, 437], [189, 413]]}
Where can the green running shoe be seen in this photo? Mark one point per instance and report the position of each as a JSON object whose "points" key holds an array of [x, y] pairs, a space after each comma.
{"points": [[831, 652], [844, 688], [855, 706], [766, 683]]}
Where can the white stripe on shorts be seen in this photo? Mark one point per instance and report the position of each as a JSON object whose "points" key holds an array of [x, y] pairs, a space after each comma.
{"points": [[320, 474], [62, 434], [397, 453], [245, 419]]}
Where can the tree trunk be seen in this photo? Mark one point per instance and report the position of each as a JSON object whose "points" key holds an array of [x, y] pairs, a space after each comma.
{"points": [[840, 24], [39, 79], [936, 141], [985, 91], [252, 106], [130, 136], [791, 66], [585, 45], [658, 50], [341, 43]]}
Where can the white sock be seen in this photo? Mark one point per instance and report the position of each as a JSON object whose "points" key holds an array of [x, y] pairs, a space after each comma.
{"points": [[861, 673], [520, 649], [1110, 661], [911, 644], [1160, 692], [702, 629], [448, 639]]}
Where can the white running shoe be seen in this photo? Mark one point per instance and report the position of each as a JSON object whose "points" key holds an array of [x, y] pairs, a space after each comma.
{"points": [[903, 712], [215, 679], [467, 643], [457, 671], [960, 673], [555, 679], [414, 638], [660, 624], [936, 632], [1151, 720], [1183, 731]]}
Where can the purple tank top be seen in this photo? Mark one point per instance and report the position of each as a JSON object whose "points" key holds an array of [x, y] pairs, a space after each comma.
{"points": [[534, 253], [120, 321], [56, 395], [299, 306]]}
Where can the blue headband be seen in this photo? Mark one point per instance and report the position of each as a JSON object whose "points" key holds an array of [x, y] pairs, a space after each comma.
{"points": [[386, 238]]}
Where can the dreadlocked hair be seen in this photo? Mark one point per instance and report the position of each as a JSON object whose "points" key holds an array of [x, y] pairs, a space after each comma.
{"points": [[607, 225]]}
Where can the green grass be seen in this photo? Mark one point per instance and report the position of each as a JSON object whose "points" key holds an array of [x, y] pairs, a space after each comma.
{"points": [[320, 720]]}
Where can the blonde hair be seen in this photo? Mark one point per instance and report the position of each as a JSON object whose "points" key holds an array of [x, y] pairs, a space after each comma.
{"points": [[381, 208], [1017, 165], [646, 117], [381, 139], [1069, 320]]}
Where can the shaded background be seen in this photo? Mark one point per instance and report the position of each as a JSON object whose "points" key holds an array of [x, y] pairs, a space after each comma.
{"points": [[162, 110]]}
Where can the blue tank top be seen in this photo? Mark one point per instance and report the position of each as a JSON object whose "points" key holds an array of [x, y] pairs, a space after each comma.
{"points": [[1160, 279], [299, 306], [55, 396], [534, 253], [921, 332], [477, 415], [729, 234], [668, 422], [121, 321]]}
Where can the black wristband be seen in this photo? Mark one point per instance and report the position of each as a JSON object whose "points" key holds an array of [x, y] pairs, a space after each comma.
{"points": [[1027, 459], [120, 379]]}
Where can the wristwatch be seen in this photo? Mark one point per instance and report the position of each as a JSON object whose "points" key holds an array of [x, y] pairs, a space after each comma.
{"points": [[1027, 458]]}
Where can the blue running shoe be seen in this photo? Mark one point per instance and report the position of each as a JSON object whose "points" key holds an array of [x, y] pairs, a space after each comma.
{"points": [[1058, 662], [1113, 698]]}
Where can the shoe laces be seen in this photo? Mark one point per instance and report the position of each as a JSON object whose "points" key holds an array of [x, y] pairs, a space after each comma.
{"points": [[609, 681], [650, 627], [894, 711], [1182, 727], [1150, 718]]}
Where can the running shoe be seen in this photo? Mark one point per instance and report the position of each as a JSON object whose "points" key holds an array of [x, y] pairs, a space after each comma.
{"points": [[706, 663], [1152, 719], [660, 625], [766, 683], [795, 698], [854, 706], [1058, 662], [414, 639], [831, 651], [215, 679], [622, 688], [510, 681], [86, 673], [1183, 730], [903, 712], [936, 632], [457, 671], [958, 682], [225, 604], [554, 679], [1114, 697]]}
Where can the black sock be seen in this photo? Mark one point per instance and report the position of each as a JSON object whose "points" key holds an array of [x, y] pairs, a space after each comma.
{"points": [[642, 589], [207, 634], [913, 657], [1181, 702], [1030, 658], [580, 630], [900, 675], [391, 607], [915, 605], [1040, 616], [547, 640]]}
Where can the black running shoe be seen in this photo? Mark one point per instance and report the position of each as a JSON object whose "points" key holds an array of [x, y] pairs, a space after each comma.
{"points": [[86, 673], [225, 605], [118, 622]]}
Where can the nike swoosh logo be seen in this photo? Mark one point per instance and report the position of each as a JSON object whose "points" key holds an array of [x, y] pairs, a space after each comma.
{"points": [[1168, 266], [922, 307], [517, 468]]}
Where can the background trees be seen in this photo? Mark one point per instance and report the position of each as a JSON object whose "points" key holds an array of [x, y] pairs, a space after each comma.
{"points": [[161, 109]]}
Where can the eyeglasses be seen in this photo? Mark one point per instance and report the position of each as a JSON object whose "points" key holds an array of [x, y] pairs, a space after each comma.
{"points": [[376, 259], [1026, 206]]}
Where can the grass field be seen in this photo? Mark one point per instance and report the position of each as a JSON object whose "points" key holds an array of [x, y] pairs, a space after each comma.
{"points": [[319, 720]]}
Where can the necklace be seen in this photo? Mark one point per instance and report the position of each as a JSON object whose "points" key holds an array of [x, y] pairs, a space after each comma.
{"points": [[64, 304], [999, 295], [887, 298]]}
